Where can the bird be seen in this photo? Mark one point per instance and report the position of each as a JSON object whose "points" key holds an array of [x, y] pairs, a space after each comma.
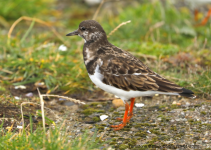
{"points": [[118, 72]]}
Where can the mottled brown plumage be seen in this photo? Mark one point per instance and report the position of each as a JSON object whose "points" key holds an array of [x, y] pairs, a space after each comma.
{"points": [[119, 72], [120, 68]]}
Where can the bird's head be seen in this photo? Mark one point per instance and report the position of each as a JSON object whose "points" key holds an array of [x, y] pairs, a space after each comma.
{"points": [[90, 31]]}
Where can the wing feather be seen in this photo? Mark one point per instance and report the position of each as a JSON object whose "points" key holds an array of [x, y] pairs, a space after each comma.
{"points": [[128, 73]]}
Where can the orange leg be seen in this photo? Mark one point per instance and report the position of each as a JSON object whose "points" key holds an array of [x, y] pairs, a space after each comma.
{"points": [[132, 101], [204, 21], [126, 117]]}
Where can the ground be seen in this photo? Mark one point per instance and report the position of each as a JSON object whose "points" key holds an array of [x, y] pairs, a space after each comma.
{"points": [[163, 121]]}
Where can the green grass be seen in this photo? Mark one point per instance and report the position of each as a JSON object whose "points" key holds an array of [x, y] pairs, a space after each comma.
{"points": [[32, 53], [54, 138]]}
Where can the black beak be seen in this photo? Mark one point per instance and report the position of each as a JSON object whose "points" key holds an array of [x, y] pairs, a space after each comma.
{"points": [[73, 33]]}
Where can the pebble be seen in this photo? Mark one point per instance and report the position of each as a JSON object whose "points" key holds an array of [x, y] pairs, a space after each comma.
{"points": [[103, 117], [139, 105], [62, 48], [16, 97], [29, 94], [93, 129], [99, 106], [20, 87], [118, 103]]}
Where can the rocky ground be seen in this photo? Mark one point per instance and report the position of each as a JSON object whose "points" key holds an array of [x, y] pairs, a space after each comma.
{"points": [[163, 122]]}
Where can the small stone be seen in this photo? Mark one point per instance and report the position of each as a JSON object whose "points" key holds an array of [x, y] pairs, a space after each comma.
{"points": [[29, 94], [148, 131], [93, 129], [62, 48], [40, 84], [118, 103], [22, 87], [139, 105], [20, 127], [174, 102], [178, 104], [99, 106], [16, 97], [103, 117]]}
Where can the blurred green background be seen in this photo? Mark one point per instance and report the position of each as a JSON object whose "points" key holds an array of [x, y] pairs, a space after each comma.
{"points": [[161, 33]]}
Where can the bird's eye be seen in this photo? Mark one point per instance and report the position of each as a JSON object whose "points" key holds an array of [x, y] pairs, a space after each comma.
{"points": [[83, 28]]}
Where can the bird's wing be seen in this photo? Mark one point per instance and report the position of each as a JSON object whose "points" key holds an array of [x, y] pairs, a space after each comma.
{"points": [[124, 71]]}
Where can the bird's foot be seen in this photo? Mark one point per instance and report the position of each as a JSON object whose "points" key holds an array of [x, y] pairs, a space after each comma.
{"points": [[118, 127]]}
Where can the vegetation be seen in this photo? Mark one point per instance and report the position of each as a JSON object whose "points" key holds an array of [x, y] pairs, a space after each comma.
{"points": [[32, 55], [34, 49]]}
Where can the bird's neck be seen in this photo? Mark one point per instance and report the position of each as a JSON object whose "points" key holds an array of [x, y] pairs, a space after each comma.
{"points": [[90, 50]]}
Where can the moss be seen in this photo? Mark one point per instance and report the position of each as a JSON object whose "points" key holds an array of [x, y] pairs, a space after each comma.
{"points": [[113, 139], [116, 113], [174, 128], [192, 109], [163, 118], [104, 125], [123, 146], [208, 126], [197, 105], [114, 135], [192, 122], [132, 142], [141, 134], [180, 135], [126, 129], [125, 141], [155, 131], [151, 143], [100, 128], [111, 109], [89, 111], [94, 104], [112, 143], [174, 106], [84, 106], [164, 138], [96, 119], [162, 106], [203, 112]]}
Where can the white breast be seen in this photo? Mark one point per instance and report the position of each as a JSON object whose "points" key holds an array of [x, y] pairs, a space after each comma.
{"points": [[97, 78]]}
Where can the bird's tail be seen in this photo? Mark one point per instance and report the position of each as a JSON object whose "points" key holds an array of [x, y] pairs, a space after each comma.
{"points": [[187, 93]]}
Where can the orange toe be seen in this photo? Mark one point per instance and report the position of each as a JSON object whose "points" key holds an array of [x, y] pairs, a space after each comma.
{"points": [[118, 127]]}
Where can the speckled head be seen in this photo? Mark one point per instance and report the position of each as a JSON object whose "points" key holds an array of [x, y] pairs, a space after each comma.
{"points": [[90, 30]]}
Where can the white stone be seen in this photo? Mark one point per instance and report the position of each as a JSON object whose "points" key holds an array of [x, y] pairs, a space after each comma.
{"points": [[103, 117], [62, 48], [139, 104]]}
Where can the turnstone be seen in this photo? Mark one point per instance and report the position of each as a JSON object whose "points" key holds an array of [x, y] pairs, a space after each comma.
{"points": [[119, 72]]}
